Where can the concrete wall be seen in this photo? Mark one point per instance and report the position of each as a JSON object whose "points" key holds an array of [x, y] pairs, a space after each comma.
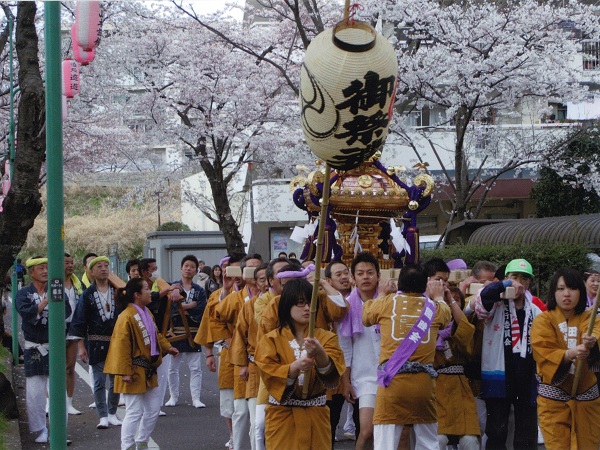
{"points": [[169, 247]]}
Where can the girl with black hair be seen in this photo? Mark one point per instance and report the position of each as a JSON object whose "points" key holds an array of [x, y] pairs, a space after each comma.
{"points": [[289, 360], [217, 275], [560, 343], [135, 352]]}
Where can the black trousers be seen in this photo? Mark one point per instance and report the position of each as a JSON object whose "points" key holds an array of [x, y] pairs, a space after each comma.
{"points": [[335, 411], [496, 429]]}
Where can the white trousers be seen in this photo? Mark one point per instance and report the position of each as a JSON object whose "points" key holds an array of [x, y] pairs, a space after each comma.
{"points": [[226, 403], [162, 374], [349, 426], [252, 411], [387, 437], [134, 429], [194, 362], [482, 414], [259, 426], [36, 389], [240, 423], [467, 442]]}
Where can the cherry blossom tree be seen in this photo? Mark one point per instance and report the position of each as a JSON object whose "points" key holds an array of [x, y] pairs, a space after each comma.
{"points": [[223, 109], [23, 202], [488, 69], [491, 70]]}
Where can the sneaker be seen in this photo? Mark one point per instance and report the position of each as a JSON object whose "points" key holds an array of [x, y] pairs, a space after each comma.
{"points": [[71, 410], [171, 402], [43, 437], [162, 413], [92, 405], [69, 442], [114, 420], [229, 444], [103, 425], [540, 440], [349, 435], [141, 445], [199, 404]]}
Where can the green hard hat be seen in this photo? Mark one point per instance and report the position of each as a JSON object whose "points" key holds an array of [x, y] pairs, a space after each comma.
{"points": [[519, 265]]}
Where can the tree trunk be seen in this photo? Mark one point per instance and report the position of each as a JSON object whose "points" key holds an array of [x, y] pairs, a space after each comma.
{"points": [[461, 176], [227, 224], [23, 202]]}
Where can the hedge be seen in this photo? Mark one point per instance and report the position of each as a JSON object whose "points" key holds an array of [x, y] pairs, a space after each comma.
{"points": [[545, 258]]}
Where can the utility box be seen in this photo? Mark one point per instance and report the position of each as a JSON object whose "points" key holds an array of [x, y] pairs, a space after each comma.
{"points": [[169, 248]]}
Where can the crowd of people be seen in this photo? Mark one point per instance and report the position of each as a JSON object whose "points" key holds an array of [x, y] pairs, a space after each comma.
{"points": [[439, 356]]}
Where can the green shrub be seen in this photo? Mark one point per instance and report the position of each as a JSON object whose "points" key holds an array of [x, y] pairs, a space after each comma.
{"points": [[545, 258], [173, 226]]}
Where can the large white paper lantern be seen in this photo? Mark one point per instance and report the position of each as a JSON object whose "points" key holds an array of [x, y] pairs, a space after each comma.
{"points": [[347, 92]]}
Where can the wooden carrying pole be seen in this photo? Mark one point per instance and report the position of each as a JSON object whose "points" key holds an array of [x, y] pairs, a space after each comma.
{"points": [[580, 364], [318, 261], [162, 284]]}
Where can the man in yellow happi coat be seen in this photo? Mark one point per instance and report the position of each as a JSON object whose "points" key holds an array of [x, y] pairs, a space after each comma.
{"points": [[410, 396], [243, 348], [260, 304], [226, 314], [209, 333]]}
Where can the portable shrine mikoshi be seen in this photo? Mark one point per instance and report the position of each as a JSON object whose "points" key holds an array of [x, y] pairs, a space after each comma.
{"points": [[347, 91]]}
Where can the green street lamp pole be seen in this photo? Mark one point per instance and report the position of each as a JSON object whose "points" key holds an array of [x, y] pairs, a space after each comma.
{"points": [[56, 245]]}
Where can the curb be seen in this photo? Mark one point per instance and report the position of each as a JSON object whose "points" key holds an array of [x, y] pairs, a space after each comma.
{"points": [[12, 436]]}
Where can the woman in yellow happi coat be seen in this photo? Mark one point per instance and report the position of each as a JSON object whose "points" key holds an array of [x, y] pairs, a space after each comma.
{"points": [[288, 360], [456, 408], [135, 352], [559, 342]]}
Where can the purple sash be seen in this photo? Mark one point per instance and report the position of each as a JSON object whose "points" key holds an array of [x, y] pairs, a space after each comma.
{"points": [[146, 317], [408, 345]]}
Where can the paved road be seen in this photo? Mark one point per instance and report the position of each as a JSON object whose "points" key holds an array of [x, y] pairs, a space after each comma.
{"points": [[184, 427]]}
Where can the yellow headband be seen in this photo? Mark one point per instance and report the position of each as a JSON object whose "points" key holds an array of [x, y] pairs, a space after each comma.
{"points": [[96, 260], [35, 262]]}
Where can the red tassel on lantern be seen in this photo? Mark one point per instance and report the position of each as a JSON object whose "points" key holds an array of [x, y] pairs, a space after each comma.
{"points": [[80, 55], [70, 74], [87, 18]]}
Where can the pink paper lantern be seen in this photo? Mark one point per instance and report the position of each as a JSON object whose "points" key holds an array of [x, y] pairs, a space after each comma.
{"points": [[80, 55], [87, 19], [70, 73]]}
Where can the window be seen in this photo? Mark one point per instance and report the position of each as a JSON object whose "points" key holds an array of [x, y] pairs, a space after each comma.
{"points": [[137, 127], [280, 242], [429, 116], [591, 54], [558, 115], [158, 155]]}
